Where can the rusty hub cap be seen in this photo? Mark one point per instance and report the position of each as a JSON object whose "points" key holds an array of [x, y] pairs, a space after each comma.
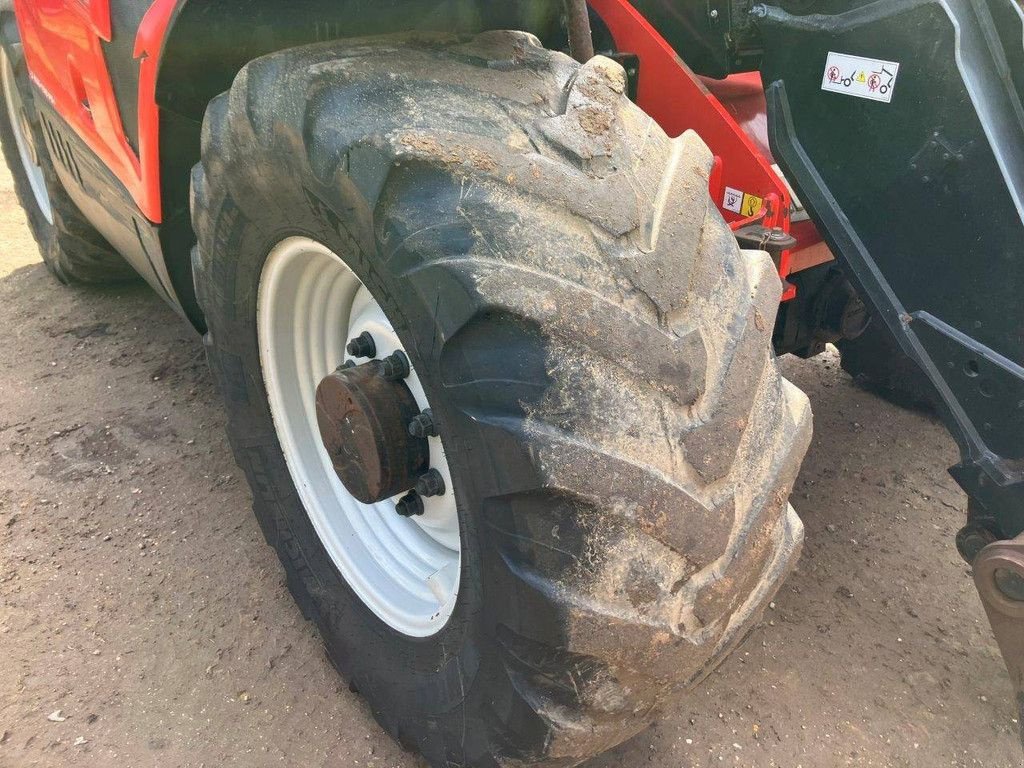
{"points": [[364, 423]]}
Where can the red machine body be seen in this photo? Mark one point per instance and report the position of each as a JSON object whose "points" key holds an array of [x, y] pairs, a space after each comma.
{"points": [[62, 40]]}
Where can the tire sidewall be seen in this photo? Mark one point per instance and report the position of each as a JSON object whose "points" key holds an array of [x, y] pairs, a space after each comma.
{"points": [[445, 668]]}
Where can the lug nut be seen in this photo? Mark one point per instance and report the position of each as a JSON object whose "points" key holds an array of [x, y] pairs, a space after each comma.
{"points": [[362, 345], [431, 483], [423, 425], [396, 367], [410, 505]]}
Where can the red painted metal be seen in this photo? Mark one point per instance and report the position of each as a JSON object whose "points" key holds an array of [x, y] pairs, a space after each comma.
{"points": [[62, 40], [148, 48], [743, 97]]}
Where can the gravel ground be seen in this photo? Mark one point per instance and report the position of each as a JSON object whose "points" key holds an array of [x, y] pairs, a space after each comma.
{"points": [[144, 622]]}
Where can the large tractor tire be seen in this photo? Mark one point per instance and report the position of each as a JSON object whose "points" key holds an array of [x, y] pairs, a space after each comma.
{"points": [[615, 441], [71, 248]]}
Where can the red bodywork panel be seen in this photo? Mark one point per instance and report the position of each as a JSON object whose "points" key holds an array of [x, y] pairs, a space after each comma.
{"points": [[62, 40], [66, 63]]}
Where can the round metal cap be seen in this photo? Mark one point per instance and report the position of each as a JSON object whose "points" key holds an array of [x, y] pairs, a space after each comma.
{"points": [[364, 424]]}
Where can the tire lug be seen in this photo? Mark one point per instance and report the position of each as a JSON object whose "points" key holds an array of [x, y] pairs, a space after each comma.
{"points": [[431, 483], [362, 345], [423, 426], [396, 367], [410, 505]]}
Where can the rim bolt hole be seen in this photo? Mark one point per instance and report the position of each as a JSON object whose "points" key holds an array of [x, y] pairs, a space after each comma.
{"points": [[410, 505], [423, 426], [396, 367], [431, 483], [362, 345]]}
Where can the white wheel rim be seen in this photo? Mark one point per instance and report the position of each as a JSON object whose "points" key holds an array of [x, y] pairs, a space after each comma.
{"points": [[405, 570], [15, 108]]}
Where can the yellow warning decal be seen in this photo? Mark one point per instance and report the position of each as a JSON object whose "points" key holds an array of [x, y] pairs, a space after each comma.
{"points": [[752, 205]]}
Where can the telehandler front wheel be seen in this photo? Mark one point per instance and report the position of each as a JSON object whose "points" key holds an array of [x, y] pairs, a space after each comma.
{"points": [[501, 382]]}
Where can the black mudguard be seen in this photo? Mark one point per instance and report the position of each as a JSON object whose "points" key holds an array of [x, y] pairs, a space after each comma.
{"points": [[922, 200]]}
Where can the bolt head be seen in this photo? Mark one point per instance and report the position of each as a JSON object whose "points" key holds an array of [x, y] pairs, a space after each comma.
{"points": [[410, 505], [396, 367], [431, 483], [362, 345], [423, 425], [1010, 583]]}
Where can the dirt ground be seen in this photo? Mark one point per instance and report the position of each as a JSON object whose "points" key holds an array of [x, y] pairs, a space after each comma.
{"points": [[144, 622]]}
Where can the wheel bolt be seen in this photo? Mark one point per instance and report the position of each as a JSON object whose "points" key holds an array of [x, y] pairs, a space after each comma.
{"points": [[423, 425], [362, 345], [431, 483], [410, 505], [396, 367]]}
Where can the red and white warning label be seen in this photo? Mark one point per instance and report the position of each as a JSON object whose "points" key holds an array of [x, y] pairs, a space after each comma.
{"points": [[856, 76]]}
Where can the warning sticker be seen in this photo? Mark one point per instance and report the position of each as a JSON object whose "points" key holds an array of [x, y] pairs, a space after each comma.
{"points": [[856, 76], [733, 200], [741, 202], [751, 205]]}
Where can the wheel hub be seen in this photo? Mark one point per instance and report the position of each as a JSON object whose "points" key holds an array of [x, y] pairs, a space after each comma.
{"points": [[364, 423], [350, 433]]}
